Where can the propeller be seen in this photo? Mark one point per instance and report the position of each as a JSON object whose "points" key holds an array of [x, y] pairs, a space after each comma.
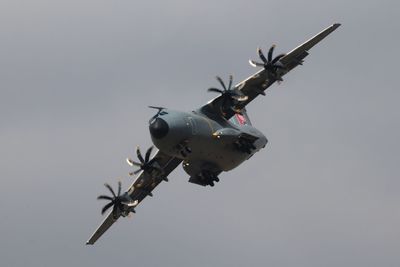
{"points": [[271, 65], [229, 95], [145, 163], [159, 112], [116, 200]]}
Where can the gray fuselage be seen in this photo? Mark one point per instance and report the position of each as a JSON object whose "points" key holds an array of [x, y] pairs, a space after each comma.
{"points": [[204, 144]]}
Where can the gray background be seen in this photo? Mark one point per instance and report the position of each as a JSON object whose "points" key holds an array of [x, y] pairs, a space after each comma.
{"points": [[76, 79]]}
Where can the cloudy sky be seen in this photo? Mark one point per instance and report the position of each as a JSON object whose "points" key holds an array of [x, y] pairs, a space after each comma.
{"points": [[76, 79]]}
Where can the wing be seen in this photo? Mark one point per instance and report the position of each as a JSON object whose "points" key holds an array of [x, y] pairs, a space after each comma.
{"points": [[260, 81], [140, 188]]}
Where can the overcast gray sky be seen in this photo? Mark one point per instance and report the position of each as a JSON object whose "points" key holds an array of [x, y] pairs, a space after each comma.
{"points": [[76, 79]]}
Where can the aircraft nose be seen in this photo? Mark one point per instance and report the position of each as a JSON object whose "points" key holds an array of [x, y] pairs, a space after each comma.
{"points": [[159, 128]]}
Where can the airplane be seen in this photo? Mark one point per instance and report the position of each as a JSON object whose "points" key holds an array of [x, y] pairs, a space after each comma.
{"points": [[212, 139]]}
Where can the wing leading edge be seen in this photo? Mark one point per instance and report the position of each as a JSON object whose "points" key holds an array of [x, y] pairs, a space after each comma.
{"points": [[140, 188]]}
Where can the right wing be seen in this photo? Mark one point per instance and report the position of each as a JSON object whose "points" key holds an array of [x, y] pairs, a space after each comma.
{"points": [[260, 81], [140, 188]]}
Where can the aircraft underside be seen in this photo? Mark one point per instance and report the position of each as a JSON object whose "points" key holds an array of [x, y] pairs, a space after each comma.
{"points": [[207, 147], [214, 138]]}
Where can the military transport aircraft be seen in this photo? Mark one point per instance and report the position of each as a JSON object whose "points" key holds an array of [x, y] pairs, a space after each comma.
{"points": [[214, 138]]}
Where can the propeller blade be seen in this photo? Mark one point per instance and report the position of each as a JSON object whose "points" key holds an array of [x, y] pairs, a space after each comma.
{"points": [[105, 197], [230, 82], [110, 188], [159, 112], [119, 188], [132, 163], [261, 55], [159, 108], [278, 58], [221, 82], [255, 63], [270, 52], [139, 155], [106, 207], [229, 96], [148, 153], [215, 90]]}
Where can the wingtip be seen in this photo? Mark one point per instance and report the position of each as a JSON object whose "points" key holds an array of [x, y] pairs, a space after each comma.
{"points": [[336, 25]]}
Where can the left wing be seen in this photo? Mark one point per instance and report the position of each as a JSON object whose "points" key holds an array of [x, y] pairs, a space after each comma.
{"points": [[260, 81], [140, 188]]}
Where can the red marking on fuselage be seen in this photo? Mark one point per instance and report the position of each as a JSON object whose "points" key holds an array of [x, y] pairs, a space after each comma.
{"points": [[241, 119]]}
